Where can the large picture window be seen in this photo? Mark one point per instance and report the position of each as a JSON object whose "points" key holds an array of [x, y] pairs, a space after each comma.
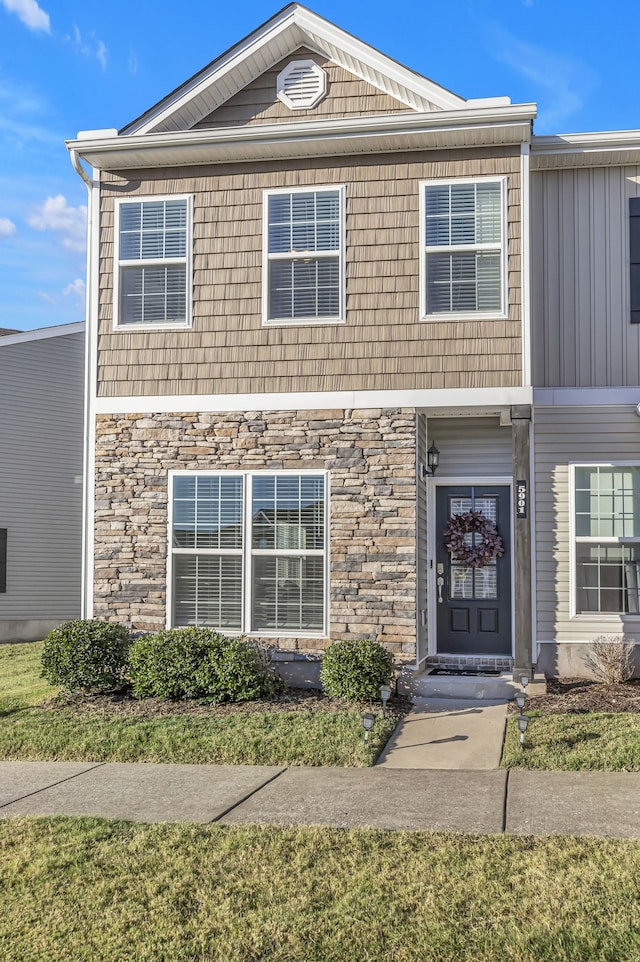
{"points": [[607, 539], [304, 256], [153, 286], [248, 551], [463, 261]]}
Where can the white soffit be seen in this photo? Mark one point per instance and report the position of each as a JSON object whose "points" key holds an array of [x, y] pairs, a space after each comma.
{"points": [[292, 28], [615, 148]]}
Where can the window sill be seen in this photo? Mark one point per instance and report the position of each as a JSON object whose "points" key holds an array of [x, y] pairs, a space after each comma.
{"points": [[302, 322], [153, 327], [479, 316]]}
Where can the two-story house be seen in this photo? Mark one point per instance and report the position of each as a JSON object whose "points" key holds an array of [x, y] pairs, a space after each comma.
{"points": [[318, 284]]}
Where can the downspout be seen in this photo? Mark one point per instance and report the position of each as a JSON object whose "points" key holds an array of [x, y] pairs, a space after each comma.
{"points": [[87, 456]]}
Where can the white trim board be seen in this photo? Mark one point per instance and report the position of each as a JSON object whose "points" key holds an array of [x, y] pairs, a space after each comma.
{"points": [[594, 396], [316, 400], [41, 333]]}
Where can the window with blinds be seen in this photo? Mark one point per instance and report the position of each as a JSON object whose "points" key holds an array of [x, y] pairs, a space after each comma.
{"points": [[248, 551], [305, 253], [153, 262], [463, 264]]}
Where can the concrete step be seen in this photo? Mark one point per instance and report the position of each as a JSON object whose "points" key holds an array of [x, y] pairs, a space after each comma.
{"points": [[485, 687]]}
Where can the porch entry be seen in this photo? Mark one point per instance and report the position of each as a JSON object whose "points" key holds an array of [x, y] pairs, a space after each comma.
{"points": [[473, 604]]}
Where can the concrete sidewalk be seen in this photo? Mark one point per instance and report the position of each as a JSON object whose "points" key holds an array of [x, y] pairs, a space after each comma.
{"points": [[479, 802]]}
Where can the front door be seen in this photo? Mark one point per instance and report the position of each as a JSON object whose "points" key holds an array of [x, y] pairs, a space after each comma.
{"points": [[473, 604]]}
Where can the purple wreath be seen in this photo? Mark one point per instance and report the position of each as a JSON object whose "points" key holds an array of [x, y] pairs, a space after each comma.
{"points": [[477, 555]]}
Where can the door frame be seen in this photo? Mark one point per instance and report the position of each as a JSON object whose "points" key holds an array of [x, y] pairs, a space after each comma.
{"points": [[432, 484]]}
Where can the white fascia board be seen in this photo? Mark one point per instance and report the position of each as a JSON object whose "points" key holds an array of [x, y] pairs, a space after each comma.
{"points": [[601, 149], [587, 396], [41, 333], [307, 28], [115, 152], [316, 400]]}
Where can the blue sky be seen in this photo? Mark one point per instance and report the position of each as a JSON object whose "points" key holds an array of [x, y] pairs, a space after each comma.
{"points": [[69, 66]]}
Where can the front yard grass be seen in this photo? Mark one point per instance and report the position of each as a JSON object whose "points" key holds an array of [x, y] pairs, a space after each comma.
{"points": [[595, 741], [105, 891], [29, 731]]}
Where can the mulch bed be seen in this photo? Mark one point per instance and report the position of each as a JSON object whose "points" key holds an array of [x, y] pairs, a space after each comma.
{"points": [[577, 696], [123, 704]]}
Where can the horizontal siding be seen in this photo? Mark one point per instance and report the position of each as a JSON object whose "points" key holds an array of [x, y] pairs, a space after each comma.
{"points": [[41, 432], [582, 335], [565, 435], [347, 96], [382, 344], [471, 447]]}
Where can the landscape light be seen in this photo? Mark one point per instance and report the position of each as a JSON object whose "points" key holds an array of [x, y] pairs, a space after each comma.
{"points": [[385, 694], [523, 721], [521, 698], [524, 680], [367, 720]]}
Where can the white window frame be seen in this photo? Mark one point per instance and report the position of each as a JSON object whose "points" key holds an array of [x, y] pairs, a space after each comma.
{"points": [[267, 257], [148, 262], [597, 616], [425, 250], [248, 552]]}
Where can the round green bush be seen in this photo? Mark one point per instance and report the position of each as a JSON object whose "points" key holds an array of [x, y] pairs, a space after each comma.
{"points": [[199, 663], [86, 656], [355, 670]]}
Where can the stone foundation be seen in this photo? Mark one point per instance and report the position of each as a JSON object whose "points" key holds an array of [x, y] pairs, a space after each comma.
{"points": [[371, 456]]}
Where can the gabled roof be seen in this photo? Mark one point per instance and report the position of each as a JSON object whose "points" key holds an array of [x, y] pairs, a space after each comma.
{"points": [[293, 27]]}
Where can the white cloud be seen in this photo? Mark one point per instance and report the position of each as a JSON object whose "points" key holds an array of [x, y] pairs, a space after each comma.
{"points": [[7, 227], [89, 47], [70, 222], [32, 16], [559, 85], [76, 288]]}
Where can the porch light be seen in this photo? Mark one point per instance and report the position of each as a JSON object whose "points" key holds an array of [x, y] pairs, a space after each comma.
{"points": [[433, 459], [385, 694], [524, 680], [523, 721], [367, 721], [521, 698]]}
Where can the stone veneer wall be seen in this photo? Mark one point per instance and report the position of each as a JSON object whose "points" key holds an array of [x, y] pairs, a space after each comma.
{"points": [[371, 455]]}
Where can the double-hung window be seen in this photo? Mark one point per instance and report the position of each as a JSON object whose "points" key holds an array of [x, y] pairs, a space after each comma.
{"points": [[249, 551], [153, 285], [607, 538], [303, 277], [463, 243]]}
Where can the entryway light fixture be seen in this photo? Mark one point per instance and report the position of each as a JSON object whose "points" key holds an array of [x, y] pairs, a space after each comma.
{"points": [[523, 721], [385, 694], [367, 721], [433, 459]]}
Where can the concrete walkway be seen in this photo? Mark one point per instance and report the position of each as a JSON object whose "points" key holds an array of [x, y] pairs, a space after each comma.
{"points": [[449, 734], [482, 802]]}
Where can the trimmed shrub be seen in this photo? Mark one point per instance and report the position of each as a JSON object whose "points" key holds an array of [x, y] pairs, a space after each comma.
{"points": [[200, 663], [355, 670], [86, 656]]}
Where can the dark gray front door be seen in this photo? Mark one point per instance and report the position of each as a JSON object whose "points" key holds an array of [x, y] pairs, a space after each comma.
{"points": [[473, 604]]}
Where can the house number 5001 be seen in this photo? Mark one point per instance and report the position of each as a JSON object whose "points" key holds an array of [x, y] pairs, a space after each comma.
{"points": [[521, 499]]}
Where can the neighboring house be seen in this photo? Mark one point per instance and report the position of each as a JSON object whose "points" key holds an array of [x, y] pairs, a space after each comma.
{"points": [[41, 430], [309, 265]]}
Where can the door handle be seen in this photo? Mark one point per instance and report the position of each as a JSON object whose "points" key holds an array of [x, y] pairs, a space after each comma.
{"points": [[440, 584]]}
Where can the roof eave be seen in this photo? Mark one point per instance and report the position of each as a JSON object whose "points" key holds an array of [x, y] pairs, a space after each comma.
{"points": [[602, 149]]}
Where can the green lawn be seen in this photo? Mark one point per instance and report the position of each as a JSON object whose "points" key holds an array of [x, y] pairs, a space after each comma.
{"points": [[31, 732], [590, 742], [88, 889]]}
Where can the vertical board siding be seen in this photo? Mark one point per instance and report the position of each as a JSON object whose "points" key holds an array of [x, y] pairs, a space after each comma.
{"points": [[582, 334], [347, 96], [471, 447], [41, 432], [383, 344], [565, 435]]}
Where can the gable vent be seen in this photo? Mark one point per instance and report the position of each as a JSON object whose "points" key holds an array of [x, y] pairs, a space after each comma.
{"points": [[302, 84]]}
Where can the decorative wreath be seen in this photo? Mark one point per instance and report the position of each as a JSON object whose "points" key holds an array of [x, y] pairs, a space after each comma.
{"points": [[487, 547]]}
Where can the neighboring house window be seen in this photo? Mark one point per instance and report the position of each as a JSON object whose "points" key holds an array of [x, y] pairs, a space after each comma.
{"points": [[464, 265], [607, 538], [304, 243], [249, 551], [634, 257], [153, 282]]}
